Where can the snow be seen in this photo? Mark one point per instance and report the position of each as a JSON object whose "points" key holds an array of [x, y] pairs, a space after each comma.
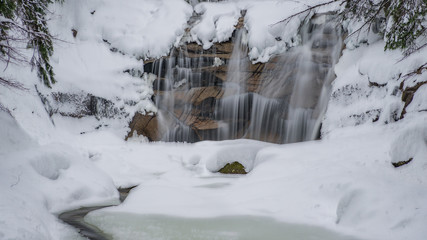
{"points": [[264, 30], [36, 181], [344, 183], [355, 97], [216, 24], [327, 184], [146, 29], [267, 35]]}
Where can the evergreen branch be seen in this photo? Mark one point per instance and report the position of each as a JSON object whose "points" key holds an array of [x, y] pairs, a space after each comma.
{"points": [[371, 19]]}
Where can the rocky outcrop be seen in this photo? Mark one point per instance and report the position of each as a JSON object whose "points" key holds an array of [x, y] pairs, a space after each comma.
{"points": [[78, 105], [82, 104]]}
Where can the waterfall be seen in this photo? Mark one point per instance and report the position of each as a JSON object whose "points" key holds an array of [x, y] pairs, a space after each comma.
{"points": [[212, 95]]}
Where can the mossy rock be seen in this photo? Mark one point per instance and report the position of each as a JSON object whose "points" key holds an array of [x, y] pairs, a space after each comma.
{"points": [[401, 163], [233, 168]]}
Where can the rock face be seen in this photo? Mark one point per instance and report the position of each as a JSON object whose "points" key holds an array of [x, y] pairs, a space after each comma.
{"points": [[78, 105], [219, 93]]}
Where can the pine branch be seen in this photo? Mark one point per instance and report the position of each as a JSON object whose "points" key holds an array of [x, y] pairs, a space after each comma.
{"points": [[371, 19]]}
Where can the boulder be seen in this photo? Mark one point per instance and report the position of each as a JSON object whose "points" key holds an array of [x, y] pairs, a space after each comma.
{"points": [[144, 125], [233, 168]]}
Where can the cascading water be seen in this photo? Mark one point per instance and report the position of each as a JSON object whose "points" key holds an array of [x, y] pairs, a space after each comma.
{"points": [[198, 99], [234, 108]]}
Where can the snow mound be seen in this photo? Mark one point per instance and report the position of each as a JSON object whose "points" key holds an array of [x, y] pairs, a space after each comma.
{"points": [[266, 34], [146, 29], [245, 153], [49, 165], [212, 156], [13, 137], [216, 23], [411, 145]]}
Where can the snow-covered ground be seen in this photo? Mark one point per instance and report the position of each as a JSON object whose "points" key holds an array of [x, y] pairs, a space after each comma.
{"points": [[344, 183]]}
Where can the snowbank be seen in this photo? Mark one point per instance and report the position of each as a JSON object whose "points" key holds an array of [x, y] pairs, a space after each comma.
{"points": [[368, 88], [146, 29], [38, 181], [327, 184]]}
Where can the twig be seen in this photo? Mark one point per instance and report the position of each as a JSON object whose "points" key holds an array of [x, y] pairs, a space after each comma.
{"points": [[418, 71], [303, 11], [369, 21], [12, 84]]}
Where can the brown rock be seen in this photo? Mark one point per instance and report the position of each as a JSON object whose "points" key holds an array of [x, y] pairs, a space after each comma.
{"points": [[139, 124], [204, 124], [148, 125]]}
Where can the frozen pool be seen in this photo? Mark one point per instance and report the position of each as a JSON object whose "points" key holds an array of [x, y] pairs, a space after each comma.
{"points": [[159, 227]]}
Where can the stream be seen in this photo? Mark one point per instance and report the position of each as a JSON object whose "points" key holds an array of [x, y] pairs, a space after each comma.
{"points": [[75, 218]]}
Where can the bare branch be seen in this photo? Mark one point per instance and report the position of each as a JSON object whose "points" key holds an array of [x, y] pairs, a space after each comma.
{"points": [[304, 11], [417, 71], [12, 84]]}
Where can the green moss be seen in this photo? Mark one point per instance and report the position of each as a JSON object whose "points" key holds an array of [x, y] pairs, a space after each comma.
{"points": [[233, 168]]}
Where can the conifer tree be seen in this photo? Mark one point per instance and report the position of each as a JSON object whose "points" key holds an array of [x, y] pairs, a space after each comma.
{"points": [[405, 21], [24, 21]]}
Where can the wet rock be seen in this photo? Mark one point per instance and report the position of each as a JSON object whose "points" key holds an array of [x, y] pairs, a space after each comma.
{"points": [[199, 87], [205, 124]]}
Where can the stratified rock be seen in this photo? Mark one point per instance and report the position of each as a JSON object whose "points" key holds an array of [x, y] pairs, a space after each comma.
{"points": [[206, 95], [204, 124]]}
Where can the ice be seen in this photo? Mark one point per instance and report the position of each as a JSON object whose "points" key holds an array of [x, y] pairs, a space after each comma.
{"points": [[132, 226]]}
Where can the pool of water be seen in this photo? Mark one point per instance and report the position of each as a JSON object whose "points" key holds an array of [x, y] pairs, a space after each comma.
{"points": [[159, 227]]}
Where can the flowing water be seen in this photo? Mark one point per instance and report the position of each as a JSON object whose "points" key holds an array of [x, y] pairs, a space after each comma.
{"points": [[287, 104]]}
